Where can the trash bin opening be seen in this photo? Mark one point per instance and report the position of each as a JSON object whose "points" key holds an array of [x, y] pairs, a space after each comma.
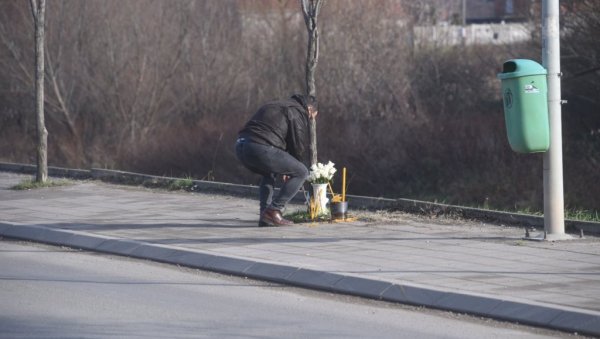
{"points": [[509, 67]]}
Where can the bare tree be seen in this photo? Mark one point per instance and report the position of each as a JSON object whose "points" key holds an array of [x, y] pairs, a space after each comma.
{"points": [[61, 31], [311, 9], [38, 10]]}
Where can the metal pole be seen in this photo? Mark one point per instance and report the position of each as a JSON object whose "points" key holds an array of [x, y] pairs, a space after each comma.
{"points": [[464, 12], [463, 28], [554, 217]]}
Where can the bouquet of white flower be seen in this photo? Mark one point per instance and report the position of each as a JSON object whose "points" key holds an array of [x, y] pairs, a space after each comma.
{"points": [[321, 174]]}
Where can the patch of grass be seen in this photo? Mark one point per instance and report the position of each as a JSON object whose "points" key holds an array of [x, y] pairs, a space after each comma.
{"points": [[299, 217], [583, 215], [171, 184], [570, 213], [184, 184], [303, 216], [30, 184], [529, 210]]}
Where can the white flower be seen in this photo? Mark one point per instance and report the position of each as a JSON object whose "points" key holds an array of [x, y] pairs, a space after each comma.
{"points": [[321, 174]]}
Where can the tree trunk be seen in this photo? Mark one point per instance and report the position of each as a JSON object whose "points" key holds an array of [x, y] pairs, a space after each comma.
{"points": [[38, 9], [311, 9]]}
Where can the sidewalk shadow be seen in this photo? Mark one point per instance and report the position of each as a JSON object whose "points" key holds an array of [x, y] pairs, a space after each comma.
{"points": [[216, 231], [268, 239], [212, 223]]}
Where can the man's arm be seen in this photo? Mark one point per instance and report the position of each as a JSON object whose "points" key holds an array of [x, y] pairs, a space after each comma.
{"points": [[297, 138]]}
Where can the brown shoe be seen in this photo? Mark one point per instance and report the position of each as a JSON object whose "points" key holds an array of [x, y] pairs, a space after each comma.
{"points": [[273, 217]]}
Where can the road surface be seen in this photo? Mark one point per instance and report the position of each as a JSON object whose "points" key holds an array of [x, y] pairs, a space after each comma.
{"points": [[54, 292]]}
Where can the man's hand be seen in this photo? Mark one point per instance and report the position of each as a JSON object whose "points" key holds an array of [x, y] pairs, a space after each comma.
{"points": [[312, 112]]}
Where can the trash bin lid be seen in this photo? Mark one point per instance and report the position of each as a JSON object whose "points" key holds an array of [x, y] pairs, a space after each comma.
{"points": [[521, 67]]}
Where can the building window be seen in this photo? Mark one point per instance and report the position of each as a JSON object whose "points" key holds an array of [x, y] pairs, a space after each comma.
{"points": [[509, 7]]}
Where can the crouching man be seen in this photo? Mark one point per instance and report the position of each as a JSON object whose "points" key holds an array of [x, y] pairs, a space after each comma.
{"points": [[276, 142]]}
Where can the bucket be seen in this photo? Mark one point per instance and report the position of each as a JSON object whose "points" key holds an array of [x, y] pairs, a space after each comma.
{"points": [[339, 209]]}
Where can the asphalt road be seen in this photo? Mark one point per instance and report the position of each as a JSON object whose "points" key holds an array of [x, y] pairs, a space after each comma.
{"points": [[53, 292]]}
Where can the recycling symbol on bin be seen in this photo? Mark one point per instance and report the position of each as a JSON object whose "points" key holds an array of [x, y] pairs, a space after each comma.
{"points": [[531, 88], [508, 98]]}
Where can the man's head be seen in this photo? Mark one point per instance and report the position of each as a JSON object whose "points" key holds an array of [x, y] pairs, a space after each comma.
{"points": [[309, 102]]}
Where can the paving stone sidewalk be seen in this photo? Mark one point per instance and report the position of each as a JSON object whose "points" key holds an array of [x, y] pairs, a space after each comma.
{"points": [[464, 266]]}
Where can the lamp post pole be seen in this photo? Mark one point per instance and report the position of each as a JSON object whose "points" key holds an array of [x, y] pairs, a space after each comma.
{"points": [[554, 218]]}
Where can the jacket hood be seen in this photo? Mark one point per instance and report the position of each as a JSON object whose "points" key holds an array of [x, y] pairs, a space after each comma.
{"points": [[305, 100]]}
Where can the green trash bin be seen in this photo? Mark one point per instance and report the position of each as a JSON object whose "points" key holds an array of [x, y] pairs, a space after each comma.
{"points": [[525, 96]]}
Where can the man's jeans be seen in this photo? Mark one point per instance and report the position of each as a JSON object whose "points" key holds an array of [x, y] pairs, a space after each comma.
{"points": [[270, 161]]}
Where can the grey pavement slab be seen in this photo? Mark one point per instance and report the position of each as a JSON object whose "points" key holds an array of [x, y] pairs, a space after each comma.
{"points": [[464, 266]]}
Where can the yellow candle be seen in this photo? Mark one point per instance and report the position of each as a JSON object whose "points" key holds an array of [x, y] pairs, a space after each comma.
{"points": [[344, 184]]}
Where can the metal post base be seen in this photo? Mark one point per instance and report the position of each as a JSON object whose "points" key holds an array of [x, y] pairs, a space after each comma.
{"points": [[557, 237], [549, 237]]}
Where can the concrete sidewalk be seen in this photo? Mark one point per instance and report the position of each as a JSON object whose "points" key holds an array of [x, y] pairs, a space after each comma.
{"points": [[447, 264]]}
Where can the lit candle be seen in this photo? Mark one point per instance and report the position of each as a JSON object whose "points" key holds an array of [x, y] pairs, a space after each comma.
{"points": [[344, 184]]}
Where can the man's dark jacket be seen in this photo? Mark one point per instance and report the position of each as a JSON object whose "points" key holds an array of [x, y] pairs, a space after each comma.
{"points": [[282, 124]]}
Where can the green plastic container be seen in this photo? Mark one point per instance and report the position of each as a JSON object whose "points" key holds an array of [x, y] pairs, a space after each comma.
{"points": [[525, 96]]}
